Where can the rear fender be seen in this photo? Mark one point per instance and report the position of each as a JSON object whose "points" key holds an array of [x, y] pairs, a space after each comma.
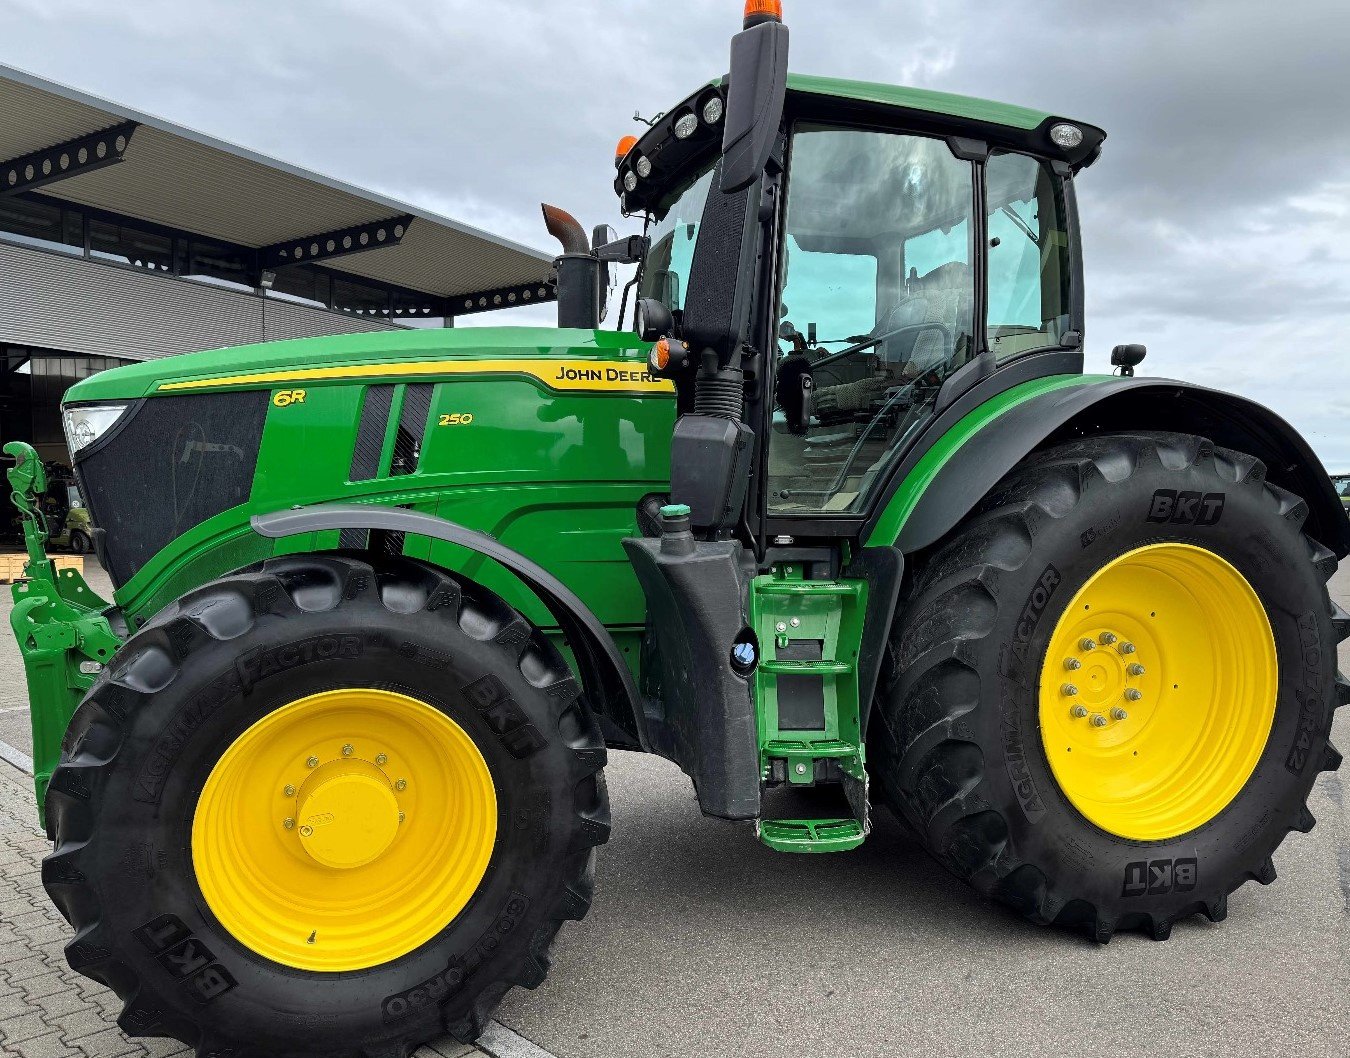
{"points": [[604, 676], [1114, 406]]}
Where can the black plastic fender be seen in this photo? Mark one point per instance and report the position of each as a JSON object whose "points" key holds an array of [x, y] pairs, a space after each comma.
{"points": [[1126, 405], [608, 683]]}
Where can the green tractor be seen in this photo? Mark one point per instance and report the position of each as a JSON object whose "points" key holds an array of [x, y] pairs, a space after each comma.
{"points": [[840, 523]]}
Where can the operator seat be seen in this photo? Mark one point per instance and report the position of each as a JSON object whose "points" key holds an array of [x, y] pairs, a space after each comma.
{"points": [[943, 296]]}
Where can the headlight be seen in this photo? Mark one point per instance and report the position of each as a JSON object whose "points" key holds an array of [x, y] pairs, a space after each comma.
{"points": [[86, 424], [1066, 135]]}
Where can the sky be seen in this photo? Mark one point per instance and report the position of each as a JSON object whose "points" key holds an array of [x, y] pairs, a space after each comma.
{"points": [[1216, 224]]}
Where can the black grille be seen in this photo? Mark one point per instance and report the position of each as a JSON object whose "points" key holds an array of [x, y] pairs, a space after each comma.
{"points": [[412, 427], [177, 462], [370, 430]]}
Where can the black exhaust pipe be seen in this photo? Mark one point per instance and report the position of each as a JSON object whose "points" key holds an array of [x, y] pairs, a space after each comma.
{"points": [[580, 285]]}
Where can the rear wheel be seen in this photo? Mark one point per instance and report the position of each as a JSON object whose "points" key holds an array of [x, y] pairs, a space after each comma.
{"points": [[80, 543], [1115, 684], [324, 807]]}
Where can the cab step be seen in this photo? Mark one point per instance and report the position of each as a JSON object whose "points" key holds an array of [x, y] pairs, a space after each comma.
{"points": [[811, 835], [806, 702]]}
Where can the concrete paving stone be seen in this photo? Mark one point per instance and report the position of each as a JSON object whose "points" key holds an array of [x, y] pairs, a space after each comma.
{"points": [[445, 1049], [106, 1043], [60, 1004], [86, 1021], [25, 1026], [44, 986], [48, 1046], [27, 968], [14, 1004]]}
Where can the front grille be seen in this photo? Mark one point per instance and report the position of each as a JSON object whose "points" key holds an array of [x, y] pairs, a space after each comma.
{"points": [[175, 463]]}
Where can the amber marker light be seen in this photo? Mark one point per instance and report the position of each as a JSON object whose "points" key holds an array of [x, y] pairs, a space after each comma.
{"points": [[660, 358], [621, 151], [759, 11]]}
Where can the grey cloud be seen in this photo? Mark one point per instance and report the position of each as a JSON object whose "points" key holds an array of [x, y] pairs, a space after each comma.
{"points": [[1212, 231]]}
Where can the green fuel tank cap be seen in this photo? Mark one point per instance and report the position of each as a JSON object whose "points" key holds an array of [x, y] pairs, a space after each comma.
{"points": [[675, 510]]}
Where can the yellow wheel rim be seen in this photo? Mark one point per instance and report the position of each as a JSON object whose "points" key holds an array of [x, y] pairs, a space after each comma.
{"points": [[1157, 693], [344, 830]]}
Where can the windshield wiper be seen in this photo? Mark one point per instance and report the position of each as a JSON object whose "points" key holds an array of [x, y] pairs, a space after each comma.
{"points": [[1025, 228]]}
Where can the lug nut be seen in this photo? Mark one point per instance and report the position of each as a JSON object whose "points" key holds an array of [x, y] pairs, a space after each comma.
{"points": [[402, 817], [306, 832], [1098, 720], [348, 750], [1072, 664], [1107, 638], [401, 785], [288, 823], [1087, 643], [781, 626], [1078, 712], [381, 759], [1135, 669], [289, 791], [1068, 690], [801, 769], [1133, 694], [1126, 648], [796, 622], [313, 762], [1119, 714]]}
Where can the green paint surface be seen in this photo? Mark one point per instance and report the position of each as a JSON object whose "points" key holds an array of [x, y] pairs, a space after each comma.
{"points": [[944, 103], [916, 482]]}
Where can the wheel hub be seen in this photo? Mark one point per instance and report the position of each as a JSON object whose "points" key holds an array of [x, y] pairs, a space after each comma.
{"points": [[347, 816], [1157, 691], [344, 830]]}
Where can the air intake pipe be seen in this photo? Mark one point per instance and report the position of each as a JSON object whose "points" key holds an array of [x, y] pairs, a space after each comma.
{"points": [[580, 272]]}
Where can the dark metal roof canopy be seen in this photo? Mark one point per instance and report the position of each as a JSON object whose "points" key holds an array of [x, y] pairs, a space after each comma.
{"points": [[120, 164]]}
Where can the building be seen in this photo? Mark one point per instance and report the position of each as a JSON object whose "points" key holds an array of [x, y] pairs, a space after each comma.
{"points": [[124, 237]]}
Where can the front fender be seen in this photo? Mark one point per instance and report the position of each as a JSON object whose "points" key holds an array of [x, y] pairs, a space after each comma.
{"points": [[934, 499], [604, 676]]}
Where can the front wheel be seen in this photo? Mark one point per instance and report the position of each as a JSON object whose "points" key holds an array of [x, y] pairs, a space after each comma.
{"points": [[325, 807], [1116, 684]]}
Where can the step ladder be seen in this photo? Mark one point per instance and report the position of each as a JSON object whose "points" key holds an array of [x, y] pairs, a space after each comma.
{"points": [[806, 701]]}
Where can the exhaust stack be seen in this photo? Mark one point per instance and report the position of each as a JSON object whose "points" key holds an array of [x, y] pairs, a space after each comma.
{"points": [[580, 272]]}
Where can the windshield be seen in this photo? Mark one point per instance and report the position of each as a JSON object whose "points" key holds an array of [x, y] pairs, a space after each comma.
{"points": [[673, 238], [877, 308]]}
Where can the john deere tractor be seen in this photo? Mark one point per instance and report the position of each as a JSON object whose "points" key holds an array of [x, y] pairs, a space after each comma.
{"points": [[840, 522]]}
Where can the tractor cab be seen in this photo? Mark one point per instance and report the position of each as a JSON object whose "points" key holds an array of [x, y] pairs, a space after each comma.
{"points": [[829, 267]]}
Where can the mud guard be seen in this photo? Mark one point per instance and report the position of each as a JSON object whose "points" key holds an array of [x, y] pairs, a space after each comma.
{"points": [[604, 676], [1124, 405]]}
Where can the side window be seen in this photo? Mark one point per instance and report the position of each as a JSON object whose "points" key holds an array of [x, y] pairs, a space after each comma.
{"points": [[833, 295], [877, 269], [1028, 257]]}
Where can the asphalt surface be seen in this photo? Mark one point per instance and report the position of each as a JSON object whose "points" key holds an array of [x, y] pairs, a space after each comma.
{"points": [[702, 942]]}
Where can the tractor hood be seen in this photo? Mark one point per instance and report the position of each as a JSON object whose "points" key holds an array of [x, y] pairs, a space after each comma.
{"points": [[563, 360]]}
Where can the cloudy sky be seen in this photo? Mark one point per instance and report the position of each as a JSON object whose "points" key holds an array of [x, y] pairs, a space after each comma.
{"points": [[1217, 223]]}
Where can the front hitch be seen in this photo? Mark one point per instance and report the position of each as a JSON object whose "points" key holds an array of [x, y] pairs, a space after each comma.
{"points": [[59, 622]]}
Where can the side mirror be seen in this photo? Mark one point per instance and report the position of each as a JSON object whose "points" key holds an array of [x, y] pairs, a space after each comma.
{"points": [[653, 319], [1127, 358], [755, 97], [602, 234]]}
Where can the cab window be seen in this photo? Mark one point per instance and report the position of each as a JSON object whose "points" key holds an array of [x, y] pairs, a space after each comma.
{"points": [[1028, 257], [876, 308]]}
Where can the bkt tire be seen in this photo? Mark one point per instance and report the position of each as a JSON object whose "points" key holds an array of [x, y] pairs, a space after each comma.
{"points": [[325, 807], [1115, 684]]}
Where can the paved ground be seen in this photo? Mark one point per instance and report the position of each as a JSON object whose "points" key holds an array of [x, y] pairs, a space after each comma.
{"points": [[702, 942]]}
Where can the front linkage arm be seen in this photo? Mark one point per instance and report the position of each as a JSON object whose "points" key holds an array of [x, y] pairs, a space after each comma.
{"points": [[58, 621]]}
